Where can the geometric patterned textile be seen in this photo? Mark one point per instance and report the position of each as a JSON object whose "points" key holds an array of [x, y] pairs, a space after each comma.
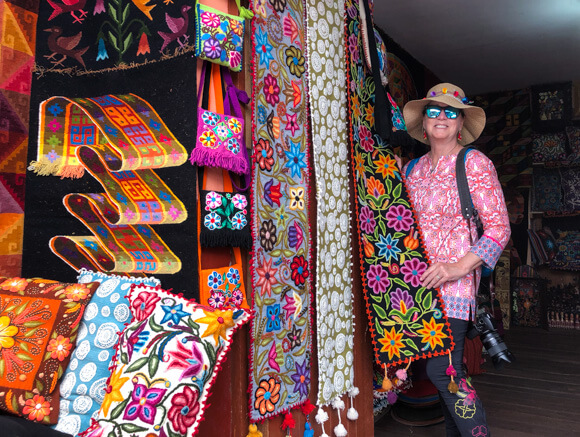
{"points": [[77, 37], [45, 213], [17, 45], [118, 139], [327, 86], [281, 262], [407, 321]]}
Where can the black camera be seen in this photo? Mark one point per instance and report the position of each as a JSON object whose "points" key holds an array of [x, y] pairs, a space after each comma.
{"points": [[493, 343]]}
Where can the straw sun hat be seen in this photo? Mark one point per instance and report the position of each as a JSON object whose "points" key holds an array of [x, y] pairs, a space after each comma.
{"points": [[452, 95]]}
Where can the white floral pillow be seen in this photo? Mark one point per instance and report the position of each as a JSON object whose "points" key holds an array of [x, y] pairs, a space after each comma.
{"points": [[166, 363]]}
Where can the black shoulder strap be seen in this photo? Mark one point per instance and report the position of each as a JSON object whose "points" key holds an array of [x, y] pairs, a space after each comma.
{"points": [[467, 209]]}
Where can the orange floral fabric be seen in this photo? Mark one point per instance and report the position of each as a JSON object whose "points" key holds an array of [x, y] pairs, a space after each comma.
{"points": [[39, 322]]}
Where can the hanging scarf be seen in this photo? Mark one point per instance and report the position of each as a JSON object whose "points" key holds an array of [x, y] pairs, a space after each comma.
{"points": [[281, 262], [406, 320], [327, 85]]}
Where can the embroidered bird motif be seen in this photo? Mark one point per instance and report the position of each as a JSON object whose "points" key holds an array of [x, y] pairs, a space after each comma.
{"points": [[65, 46], [177, 26], [68, 6]]}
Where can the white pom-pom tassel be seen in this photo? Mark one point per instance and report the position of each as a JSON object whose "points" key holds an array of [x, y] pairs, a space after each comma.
{"points": [[321, 417], [339, 430], [352, 414]]}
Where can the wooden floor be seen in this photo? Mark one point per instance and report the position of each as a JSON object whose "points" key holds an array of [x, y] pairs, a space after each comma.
{"points": [[538, 395]]}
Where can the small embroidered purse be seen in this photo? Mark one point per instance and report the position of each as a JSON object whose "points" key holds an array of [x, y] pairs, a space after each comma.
{"points": [[224, 218], [223, 287], [220, 137], [219, 36]]}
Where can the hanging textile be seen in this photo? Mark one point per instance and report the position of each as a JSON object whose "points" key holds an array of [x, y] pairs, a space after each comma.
{"points": [[406, 320], [281, 261], [327, 86], [78, 37], [17, 47], [173, 99], [117, 139]]}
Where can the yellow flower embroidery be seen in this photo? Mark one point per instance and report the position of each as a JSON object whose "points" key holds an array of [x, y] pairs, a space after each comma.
{"points": [[392, 343], [7, 331], [218, 322], [297, 198], [386, 166], [113, 390]]}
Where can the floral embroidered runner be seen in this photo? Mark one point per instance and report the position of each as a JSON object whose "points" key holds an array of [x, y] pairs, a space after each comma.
{"points": [[327, 85], [281, 262], [407, 321], [117, 139]]}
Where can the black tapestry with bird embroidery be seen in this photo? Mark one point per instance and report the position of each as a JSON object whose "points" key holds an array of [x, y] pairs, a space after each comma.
{"points": [[77, 36]]}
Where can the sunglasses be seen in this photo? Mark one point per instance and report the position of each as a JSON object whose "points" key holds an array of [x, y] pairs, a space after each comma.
{"points": [[434, 111]]}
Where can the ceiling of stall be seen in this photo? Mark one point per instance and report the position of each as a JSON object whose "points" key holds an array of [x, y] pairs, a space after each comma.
{"points": [[488, 45]]}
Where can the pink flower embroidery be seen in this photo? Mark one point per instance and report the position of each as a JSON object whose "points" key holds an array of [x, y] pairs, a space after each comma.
{"points": [[144, 304], [399, 218], [412, 270], [210, 19], [184, 410]]}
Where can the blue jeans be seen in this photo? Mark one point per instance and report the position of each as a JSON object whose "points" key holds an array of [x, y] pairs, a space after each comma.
{"points": [[463, 411]]}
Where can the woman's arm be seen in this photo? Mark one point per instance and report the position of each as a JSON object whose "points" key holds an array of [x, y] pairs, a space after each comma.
{"points": [[488, 199]]}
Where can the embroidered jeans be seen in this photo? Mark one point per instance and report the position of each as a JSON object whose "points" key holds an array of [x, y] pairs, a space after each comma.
{"points": [[463, 411]]}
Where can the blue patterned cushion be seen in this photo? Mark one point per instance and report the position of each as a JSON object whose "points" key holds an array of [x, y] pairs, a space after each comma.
{"points": [[547, 192], [83, 384]]}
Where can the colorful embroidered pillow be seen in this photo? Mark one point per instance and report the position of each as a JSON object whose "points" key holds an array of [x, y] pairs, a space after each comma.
{"points": [[39, 323], [82, 388], [167, 360], [219, 37], [549, 147], [573, 134], [571, 189], [547, 192]]}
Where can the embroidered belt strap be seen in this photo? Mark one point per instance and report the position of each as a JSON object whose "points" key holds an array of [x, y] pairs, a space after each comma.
{"points": [[119, 140]]}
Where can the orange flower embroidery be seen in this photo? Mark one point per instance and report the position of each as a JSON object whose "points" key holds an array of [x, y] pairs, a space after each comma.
{"points": [[14, 284], [392, 343], [113, 390], [375, 187], [432, 333], [267, 395], [60, 347], [386, 166], [359, 163], [36, 408], [76, 292]]}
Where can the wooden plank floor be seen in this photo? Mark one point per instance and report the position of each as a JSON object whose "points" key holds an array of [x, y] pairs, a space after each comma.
{"points": [[538, 395]]}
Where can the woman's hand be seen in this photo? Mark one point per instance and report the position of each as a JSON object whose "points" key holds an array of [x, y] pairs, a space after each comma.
{"points": [[439, 273], [399, 163]]}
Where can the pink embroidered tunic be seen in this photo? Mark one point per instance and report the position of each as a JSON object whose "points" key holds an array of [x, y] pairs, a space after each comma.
{"points": [[445, 232]]}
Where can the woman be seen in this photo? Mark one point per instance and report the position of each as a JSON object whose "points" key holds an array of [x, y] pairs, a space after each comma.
{"points": [[446, 122]]}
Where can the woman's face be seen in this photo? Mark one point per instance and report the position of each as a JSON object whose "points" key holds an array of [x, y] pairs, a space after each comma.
{"points": [[441, 127]]}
